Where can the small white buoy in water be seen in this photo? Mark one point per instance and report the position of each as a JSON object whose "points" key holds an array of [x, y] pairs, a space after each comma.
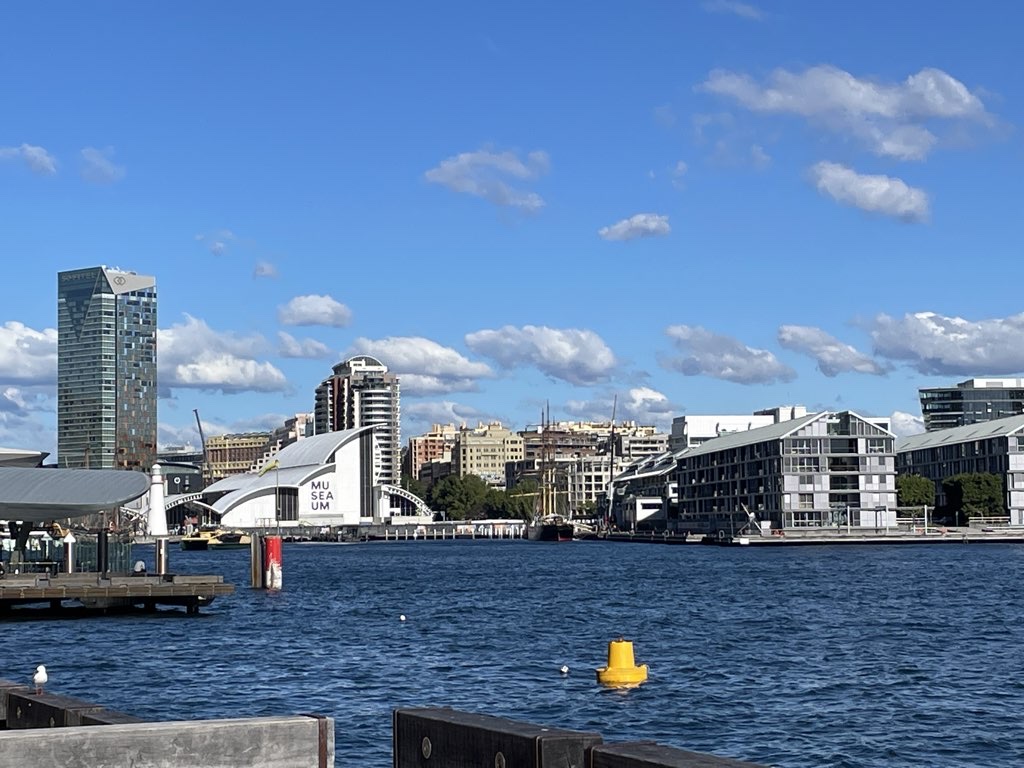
{"points": [[564, 670], [401, 617]]}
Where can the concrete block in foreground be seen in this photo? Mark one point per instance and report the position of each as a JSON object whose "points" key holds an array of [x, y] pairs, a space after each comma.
{"points": [[268, 742], [446, 738], [648, 754]]}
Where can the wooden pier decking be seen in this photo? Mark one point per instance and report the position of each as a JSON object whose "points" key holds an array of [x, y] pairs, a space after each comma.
{"points": [[105, 592]]}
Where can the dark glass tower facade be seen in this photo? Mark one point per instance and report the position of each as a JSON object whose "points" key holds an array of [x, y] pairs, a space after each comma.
{"points": [[106, 369], [971, 402]]}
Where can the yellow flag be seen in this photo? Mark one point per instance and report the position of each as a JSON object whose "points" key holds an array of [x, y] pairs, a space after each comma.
{"points": [[269, 466]]}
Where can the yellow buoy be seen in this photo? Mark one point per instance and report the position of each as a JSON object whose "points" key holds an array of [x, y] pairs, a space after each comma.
{"points": [[621, 671]]}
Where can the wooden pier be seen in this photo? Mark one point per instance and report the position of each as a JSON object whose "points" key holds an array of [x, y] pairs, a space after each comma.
{"points": [[108, 592]]}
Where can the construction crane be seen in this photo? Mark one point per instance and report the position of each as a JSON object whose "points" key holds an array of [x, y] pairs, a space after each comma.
{"points": [[202, 439]]}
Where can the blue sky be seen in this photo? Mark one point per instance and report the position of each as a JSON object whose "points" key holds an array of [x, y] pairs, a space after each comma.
{"points": [[683, 207]]}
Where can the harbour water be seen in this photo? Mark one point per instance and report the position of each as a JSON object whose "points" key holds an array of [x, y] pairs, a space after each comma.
{"points": [[812, 656]]}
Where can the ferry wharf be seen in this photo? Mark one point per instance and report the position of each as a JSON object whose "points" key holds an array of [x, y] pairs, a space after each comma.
{"points": [[106, 592]]}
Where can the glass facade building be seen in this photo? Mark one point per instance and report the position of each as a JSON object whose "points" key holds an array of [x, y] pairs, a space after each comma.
{"points": [[971, 402], [106, 369]]}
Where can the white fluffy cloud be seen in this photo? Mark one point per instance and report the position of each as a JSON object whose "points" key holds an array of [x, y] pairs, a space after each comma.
{"points": [[641, 404], [877, 194], [832, 355], [705, 353], [195, 356], [640, 225], [906, 424], [27, 357], [424, 366], [935, 344], [26, 419], [36, 158], [309, 349], [98, 166], [314, 310], [889, 118], [577, 356], [484, 174]]}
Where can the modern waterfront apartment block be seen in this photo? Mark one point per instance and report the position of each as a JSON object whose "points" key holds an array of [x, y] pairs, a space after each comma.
{"points": [[995, 447], [362, 393], [823, 469], [971, 402], [106, 369]]}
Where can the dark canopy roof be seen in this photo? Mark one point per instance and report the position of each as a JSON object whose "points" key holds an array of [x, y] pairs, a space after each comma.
{"points": [[40, 494]]}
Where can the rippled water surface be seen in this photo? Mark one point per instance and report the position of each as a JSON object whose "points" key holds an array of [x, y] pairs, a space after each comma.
{"points": [[812, 656]]}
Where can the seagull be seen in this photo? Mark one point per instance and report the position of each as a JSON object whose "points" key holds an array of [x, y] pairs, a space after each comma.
{"points": [[564, 670], [39, 679]]}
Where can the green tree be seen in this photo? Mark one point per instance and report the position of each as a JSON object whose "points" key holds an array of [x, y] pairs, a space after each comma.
{"points": [[978, 494], [461, 498], [914, 491]]}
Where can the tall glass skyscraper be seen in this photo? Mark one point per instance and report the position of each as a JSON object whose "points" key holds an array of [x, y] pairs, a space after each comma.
{"points": [[106, 369]]}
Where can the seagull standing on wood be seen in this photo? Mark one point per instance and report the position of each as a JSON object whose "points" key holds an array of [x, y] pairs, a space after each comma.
{"points": [[39, 679]]}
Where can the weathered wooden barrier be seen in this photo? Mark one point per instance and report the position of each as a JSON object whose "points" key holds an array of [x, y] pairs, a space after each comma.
{"points": [[447, 738]]}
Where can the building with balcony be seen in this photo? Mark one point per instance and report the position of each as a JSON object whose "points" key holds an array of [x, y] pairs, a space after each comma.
{"points": [[971, 402], [995, 447], [362, 393], [106, 369], [822, 469]]}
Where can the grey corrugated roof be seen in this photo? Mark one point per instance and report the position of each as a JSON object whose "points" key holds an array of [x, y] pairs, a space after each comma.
{"points": [[981, 431], [762, 434], [40, 494], [752, 436]]}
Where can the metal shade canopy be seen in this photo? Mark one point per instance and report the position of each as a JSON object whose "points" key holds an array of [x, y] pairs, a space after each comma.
{"points": [[40, 495]]}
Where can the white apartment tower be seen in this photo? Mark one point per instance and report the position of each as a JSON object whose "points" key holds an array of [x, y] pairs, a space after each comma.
{"points": [[361, 393]]}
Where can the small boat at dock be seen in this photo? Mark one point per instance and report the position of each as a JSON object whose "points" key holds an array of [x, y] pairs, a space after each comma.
{"points": [[215, 538]]}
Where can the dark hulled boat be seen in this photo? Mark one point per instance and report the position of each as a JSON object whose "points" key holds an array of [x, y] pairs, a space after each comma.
{"points": [[552, 528]]}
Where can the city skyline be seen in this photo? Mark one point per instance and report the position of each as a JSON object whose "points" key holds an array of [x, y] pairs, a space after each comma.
{"points": [[701, 207]]}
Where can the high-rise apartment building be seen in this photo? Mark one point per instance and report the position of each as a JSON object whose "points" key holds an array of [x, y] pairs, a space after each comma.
{"points": [[971, 402], [361, 393], [106, 369]]}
